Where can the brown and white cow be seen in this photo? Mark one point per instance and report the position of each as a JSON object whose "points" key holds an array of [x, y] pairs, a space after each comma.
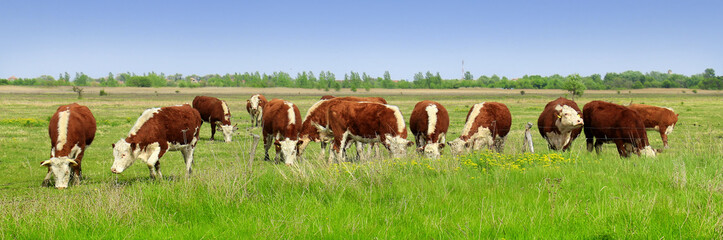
{"points": [[281, 125], [255, 107], [661, 119], [429, 122], [366, 122], [356, 99], [609, 122], [487, 124], [71, 129], [316, 115], [156, 131], [215, 112], [560, 123]]}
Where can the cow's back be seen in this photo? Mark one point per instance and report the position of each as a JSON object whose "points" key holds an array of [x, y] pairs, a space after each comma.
{"points": [[367, 119], [655, 116], [419, 120], [176, 124], [609, 121], [276, 120], [80, 129], [212, 109], [496, 117], [548, 117]]}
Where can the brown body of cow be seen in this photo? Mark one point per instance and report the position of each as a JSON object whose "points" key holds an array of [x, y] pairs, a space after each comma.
{"points": [[217, 113], [560, 123], [281, 126], [157, 131], [660, 119], [356, 99], [316, 115], [429, 123], [255, 106], [366, 122], [71, 129], [609, 122], [487, 124]]}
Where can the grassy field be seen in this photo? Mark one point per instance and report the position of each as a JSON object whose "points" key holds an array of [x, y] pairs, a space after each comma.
{"points": [[546, 195]]}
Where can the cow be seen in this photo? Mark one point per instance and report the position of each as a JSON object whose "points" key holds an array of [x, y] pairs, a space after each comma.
{"points": [[661, 119], [487, 124], [156, 131], [71, 129], [428, 123], [356, 99], [609, 122], [560, 123], [281, 125], [255, 107], [316, 115], [215, 112], [366, 122]]}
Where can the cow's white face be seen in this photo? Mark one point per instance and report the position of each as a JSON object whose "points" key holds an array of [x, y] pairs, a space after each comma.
{"points": [[289, 149], [61, 168], [568, 117], [227, 130], [457, 146], [397, 146], [123, 156], [305, 142], [432, 150], [648, 151]]}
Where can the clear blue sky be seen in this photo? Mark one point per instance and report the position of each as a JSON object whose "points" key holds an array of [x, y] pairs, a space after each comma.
{"points": [[508, 38]]}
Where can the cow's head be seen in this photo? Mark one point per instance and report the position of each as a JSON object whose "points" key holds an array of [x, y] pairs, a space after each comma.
{"points": [[567, 117], [397, 145], [432, 150], [227, 130], [458, 146], [289, 149], [61, 168], [124, 154], [304, 143]]}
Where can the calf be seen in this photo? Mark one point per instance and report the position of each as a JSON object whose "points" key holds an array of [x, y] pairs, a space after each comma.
{"points": [[609, 122], [71, 129], [281, 125], [156, 131], [487, 124], [255, 107], [661, 119], [429, 122], [215, 112], [560, 123], [366, 122]]}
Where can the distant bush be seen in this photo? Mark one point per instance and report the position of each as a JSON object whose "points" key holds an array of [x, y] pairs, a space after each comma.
{"points": [[103, 93], [522, 92]]}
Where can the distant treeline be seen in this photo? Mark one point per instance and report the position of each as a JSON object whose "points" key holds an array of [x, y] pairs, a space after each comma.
{"points": [[354, 81]]}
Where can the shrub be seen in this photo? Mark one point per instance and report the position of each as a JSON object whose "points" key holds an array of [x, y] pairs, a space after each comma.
{"points": [[522, 92], [103, 93]]}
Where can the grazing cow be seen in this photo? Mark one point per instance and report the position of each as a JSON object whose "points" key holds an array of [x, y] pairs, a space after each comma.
{"points": [[429, 123], [281, 125], [215, 112], [71, 130], [560, 123], [317, 116], [661, 119], [609, 122], [356, 99], [366, 122], [156, 131], [255, 107], [487, 124]]}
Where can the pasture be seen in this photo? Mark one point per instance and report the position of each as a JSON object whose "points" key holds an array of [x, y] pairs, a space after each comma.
{"points": [[548, 195]]}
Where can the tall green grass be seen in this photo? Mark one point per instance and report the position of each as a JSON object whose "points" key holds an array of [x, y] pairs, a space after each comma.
{"points": [[548, 195]]}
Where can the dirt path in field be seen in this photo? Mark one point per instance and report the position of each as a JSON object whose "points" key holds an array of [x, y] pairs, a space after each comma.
{"points": [[298, 91]]}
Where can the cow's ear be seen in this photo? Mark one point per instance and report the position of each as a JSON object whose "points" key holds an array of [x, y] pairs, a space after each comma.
{"points": [[112, 145], [45, 163], [468, 144], [410, 143], [420, 149], [133, 146], [441, 145], [299, 143]]}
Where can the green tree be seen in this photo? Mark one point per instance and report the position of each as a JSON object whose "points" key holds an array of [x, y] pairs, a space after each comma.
{"points": [[574, 85], [468, 76], [81, 79]]}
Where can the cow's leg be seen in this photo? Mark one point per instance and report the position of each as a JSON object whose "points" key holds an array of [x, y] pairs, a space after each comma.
{"points": [[598, 146], [152, 160], [213, 130], [188, 159], [46, 181], [323, 149], [499, 144], [620, 144], [589, 141], [278, 157], [77, 170], [664, 136], [267, 144]]}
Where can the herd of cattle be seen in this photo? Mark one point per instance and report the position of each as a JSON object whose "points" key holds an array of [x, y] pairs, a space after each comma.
{"points": [[344, 121]]}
